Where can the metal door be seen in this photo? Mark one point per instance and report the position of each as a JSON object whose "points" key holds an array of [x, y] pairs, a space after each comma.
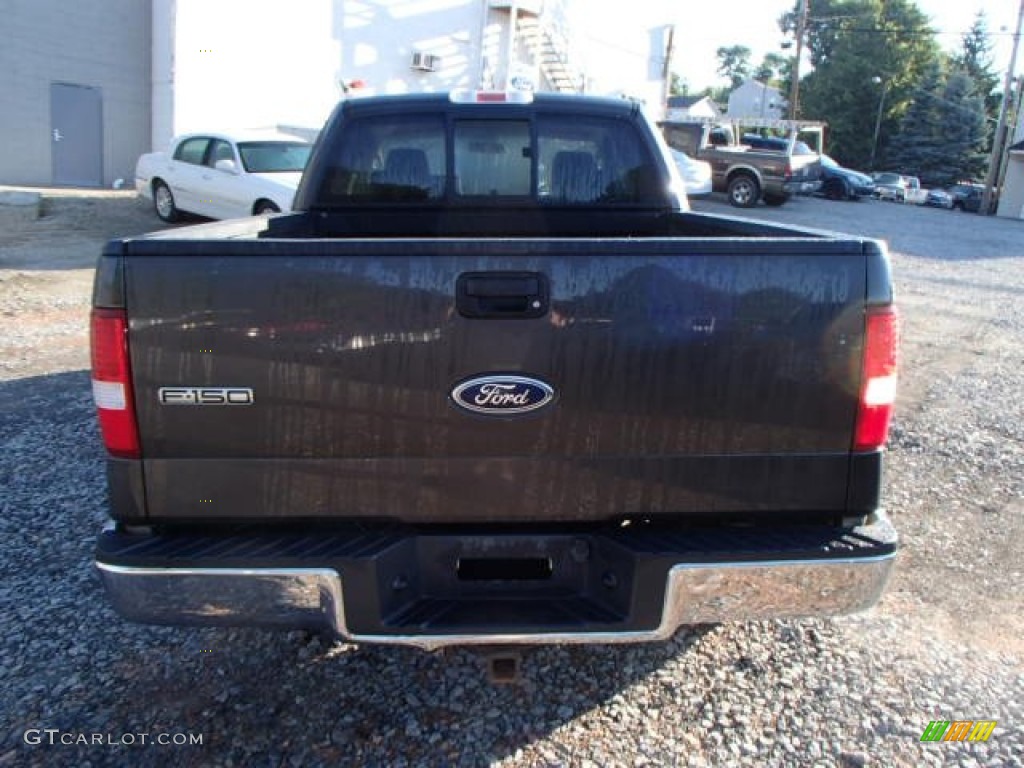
{"points": [[76, 134]]}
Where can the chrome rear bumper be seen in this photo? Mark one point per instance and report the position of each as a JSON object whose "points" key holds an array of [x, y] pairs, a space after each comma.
{"points": [[313, 598]]}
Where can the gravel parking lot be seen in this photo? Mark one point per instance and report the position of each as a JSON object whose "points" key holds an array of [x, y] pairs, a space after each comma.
{"points": [[946, 642]]}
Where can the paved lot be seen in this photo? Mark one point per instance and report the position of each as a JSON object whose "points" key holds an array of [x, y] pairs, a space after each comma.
{"points": [[945, 643]]}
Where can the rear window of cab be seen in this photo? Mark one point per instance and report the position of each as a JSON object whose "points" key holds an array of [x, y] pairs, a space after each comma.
{"points": [[557, 159]]}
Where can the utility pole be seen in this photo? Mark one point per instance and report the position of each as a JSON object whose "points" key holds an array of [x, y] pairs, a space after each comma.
{"points": [[794, 86], [878, 119], [999, 141], [666, 70]]}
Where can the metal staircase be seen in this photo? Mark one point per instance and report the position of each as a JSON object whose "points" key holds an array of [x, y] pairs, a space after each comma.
{"points": [[540, 29], [549, 46]]}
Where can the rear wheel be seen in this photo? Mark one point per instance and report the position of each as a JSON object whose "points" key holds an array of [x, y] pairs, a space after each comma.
{"points": [[743, 190], [265, 208], [836, 189], [163, 202]]}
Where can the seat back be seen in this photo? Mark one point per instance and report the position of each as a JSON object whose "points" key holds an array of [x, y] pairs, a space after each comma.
{"points": [[574, 177], [407, 166]]}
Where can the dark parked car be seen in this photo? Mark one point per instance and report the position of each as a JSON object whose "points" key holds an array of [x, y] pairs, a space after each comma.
{"points": [[839, 183], [966, 196], [939, 198]]}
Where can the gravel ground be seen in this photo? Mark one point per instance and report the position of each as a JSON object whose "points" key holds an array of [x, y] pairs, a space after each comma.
{"points": [[944, 643]]}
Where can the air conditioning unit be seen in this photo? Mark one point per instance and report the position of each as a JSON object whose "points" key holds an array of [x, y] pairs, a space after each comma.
{"points": [[425, 62]]}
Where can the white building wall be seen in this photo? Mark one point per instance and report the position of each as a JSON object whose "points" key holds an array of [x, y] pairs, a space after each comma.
{"points": [[102, 44], [622, 49], [162, 68], [1011, 198], [258, 63], [252, 63], [755, 99]]}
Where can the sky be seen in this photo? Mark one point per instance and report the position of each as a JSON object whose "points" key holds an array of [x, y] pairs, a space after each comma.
{"points": [[702, 26]]}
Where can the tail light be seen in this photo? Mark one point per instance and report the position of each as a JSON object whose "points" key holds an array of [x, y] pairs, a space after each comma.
{"points": [[112, 383], [878, 378]]}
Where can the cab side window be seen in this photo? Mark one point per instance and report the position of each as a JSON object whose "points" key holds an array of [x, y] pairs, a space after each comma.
{"points": [[192, 151], [220, 150]]}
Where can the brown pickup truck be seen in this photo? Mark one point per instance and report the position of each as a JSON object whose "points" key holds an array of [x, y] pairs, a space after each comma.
{"points": [[755, 167]]}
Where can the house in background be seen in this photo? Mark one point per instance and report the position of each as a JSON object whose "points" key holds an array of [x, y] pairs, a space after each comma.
{"points": [[757, 100], [680, 107]]}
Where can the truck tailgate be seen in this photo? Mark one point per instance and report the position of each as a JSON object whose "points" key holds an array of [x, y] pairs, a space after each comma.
{"points": [[687, 377]]}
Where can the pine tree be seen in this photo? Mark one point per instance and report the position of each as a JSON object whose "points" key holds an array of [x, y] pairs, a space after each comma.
{"points": [[975, 59], [917, 149], [962, 134]]}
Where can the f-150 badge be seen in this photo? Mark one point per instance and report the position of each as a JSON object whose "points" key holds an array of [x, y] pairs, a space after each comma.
{"points": [[205, 396], [502, 395]]}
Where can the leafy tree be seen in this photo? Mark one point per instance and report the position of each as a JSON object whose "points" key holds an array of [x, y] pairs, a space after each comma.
{"points": [[784, 81], [851, 43], [678, 86], [734, 63], [772, 68], [827, 21], [718, 95]]}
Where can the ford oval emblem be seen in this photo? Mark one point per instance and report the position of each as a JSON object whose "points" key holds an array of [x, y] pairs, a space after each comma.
{"points": [[502, 395]]}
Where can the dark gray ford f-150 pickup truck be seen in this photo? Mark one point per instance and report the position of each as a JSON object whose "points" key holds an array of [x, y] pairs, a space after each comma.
{"points": [[493, 383]]}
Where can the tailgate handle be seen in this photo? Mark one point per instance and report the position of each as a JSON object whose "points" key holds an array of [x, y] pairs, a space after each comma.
{"points": [[502, 294]]}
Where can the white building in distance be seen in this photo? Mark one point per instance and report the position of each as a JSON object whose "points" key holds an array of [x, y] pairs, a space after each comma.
{"points": [[755, 99]]}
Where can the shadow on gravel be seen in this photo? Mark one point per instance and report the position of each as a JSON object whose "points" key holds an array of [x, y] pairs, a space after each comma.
{"points": [[297, 700], [42, 402]]}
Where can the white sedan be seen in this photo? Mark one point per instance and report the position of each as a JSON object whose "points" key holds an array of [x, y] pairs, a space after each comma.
{"points": [[221, 176], [696, 174]]}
